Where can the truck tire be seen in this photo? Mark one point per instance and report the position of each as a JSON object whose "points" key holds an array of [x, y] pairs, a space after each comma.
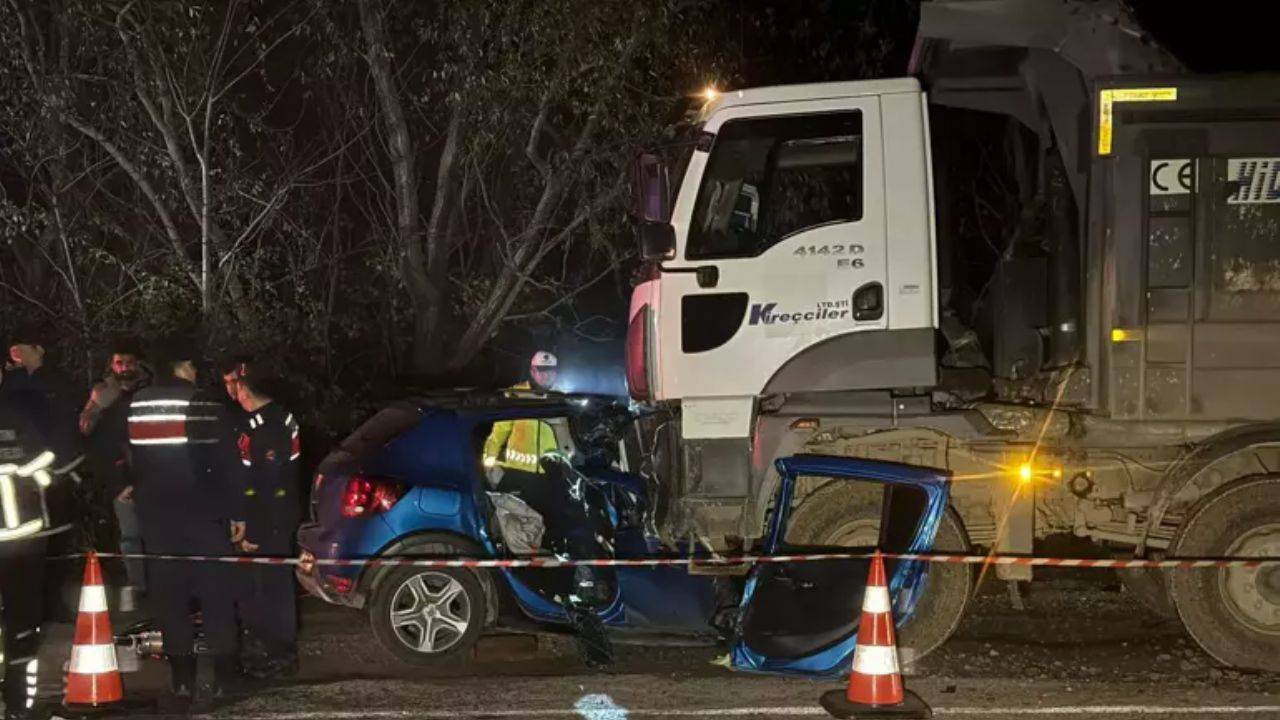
{"points": [[1233, 613], [848, 515], [1149, 587]]}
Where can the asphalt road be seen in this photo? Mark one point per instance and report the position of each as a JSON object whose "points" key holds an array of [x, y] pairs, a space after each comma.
{"points": [[1071, 652]]}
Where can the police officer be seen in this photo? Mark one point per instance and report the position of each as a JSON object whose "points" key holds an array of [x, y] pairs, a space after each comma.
{"points": [[518, 445], [25, 466], [522, 457], [182, 459], [269, 449]]}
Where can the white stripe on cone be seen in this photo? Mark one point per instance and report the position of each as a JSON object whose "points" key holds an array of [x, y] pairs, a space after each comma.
{"points": [[875, 660], [93, 599], [93, 659], [876, 600]]}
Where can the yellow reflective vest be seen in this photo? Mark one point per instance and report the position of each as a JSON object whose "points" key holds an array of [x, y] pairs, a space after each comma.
{"points": [[518, 444]]}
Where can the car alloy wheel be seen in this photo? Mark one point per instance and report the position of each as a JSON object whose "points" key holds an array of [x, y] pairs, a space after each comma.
{"points": [[430, 612]]}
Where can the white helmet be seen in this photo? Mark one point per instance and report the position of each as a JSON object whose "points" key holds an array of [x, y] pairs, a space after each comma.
{"points": [[544, 360], [542, 371]]}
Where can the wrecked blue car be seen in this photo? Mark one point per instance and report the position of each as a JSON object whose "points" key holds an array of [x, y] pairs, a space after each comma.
{"points": [[425, 478]]}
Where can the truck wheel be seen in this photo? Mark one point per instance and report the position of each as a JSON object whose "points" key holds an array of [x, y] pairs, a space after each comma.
{"points": [[845, 515], [1233, 613], [429, 617], [1148, 587]]}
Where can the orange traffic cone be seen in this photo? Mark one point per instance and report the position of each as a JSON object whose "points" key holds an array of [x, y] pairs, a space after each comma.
{"points": [[875, 685], [94, 677]]}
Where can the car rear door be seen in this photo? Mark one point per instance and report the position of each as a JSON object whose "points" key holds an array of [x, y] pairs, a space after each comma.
{"points": [[803, 617]]}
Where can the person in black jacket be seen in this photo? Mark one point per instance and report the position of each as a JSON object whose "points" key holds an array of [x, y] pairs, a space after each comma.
{"points": [[26, 466], [182, 458], [44, 394], [269, 450], [47, 399]]}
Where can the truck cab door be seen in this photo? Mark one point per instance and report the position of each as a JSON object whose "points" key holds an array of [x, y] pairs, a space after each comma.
{"points": [[803, 617], [782, 223]]}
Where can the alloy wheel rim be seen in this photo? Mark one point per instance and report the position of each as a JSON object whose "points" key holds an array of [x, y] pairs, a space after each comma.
{"points": [[430, 612]]}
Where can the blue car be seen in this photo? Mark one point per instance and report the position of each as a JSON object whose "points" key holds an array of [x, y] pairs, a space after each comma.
{"points": [[413, 481]]}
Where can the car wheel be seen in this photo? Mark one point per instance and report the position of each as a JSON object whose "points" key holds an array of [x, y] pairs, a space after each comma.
{"points": [[429, 616], [1233, 612], [848, 515]]}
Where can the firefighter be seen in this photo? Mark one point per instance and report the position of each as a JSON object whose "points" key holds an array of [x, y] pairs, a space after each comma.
{"points": [[25, 474], [269, 450], [182, 459], [102, 421], [44, 394]]}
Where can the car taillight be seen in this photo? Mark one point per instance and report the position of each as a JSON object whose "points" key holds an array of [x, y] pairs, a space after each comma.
{"points": [[637, 350], [365, 496]]}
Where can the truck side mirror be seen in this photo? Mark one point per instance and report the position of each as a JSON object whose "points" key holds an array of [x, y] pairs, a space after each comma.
{"points": [[657, 240], [652, 188]]}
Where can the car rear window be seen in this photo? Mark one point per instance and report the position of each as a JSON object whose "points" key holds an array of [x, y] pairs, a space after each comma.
{"points": [[386, 425]]}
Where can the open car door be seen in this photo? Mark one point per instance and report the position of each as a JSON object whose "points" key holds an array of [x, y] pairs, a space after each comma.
{"points": [[803, 617]]}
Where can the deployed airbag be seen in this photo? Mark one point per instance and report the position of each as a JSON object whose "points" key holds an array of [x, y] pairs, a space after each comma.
{"points": [[521, 526]]}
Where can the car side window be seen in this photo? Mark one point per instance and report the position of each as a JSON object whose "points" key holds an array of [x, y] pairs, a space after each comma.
{"points": [[770, 178]]}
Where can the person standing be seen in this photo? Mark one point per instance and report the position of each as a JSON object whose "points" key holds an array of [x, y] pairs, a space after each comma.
{"points": [[44, 393], [269, 450], [232, 369], [182, 457], [45, 397], [102, 421], [26, 466], [518, 445]]}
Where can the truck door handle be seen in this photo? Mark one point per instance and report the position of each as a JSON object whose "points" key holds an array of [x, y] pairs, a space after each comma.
{"points": [[708, 276]]}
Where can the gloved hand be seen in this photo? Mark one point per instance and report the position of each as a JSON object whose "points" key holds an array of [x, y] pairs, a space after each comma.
{"points": [[494, 474]]}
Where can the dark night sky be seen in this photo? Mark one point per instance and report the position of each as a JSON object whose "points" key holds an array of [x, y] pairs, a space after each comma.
{"points": [[1231, 36]]}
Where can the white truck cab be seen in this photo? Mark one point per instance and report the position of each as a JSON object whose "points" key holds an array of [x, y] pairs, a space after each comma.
{"points": [[803, 254]]}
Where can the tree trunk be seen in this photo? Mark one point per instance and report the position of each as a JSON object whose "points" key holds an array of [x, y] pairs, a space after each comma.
{"points": [[401, 151]]}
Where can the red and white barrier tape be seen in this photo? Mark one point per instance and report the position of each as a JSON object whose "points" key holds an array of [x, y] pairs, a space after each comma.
{"points": [[552, 562]]}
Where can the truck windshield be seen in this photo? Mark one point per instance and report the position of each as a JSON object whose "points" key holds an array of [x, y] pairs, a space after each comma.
{"points": [[770, 178]]}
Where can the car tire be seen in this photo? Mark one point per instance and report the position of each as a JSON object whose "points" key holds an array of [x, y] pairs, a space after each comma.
{"points": [[841, 514], [1233, 613], [429, 617]]}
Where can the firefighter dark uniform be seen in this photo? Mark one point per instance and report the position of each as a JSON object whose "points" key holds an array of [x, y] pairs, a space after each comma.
{"points": [[24, 523], [269, 451], [183, 464]]}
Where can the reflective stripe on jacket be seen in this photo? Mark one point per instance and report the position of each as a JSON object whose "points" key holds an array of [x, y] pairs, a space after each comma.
{"points": [[519, 444]]}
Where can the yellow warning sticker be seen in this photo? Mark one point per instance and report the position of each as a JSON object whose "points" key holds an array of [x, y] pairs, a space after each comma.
{"points": [[1108, 98]]}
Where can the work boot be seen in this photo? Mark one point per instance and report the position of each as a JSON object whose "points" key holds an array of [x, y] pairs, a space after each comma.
{"points": [[227, 680], [182, 685], [182, 678], [593, 644]]}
